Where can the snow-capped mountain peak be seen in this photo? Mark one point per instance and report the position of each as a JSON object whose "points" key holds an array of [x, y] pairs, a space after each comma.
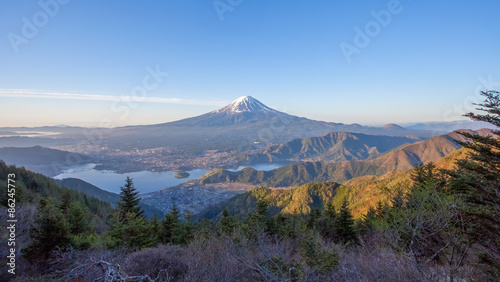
{"points": [[244, 104]]}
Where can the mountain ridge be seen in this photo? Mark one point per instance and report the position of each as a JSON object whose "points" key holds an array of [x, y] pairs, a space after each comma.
{"points": [[402, 158], [360, 192], [331, 147]]}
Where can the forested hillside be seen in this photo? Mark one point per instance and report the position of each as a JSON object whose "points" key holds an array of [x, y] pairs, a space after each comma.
{"points": [[401, 158], [296, 201], [31, 187], [361, 193]]}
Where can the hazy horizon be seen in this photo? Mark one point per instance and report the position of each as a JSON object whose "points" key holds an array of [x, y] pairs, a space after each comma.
{"points": [[97, 124]]}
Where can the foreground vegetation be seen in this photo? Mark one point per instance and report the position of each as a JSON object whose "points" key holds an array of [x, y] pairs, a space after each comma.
{"points": [[442, 225]]}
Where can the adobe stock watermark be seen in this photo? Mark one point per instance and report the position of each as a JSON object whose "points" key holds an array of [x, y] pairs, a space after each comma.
{"points": [[468, 104], [223, 6], [31, 26], [363, 36], [123, 106], [11, 223]]}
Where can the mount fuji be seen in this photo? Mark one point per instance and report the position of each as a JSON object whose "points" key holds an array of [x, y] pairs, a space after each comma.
{"points": [[244, 104], [245, 122], [244, 110]]}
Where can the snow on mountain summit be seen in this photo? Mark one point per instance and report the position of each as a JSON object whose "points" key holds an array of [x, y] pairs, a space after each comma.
{"points": [[244, 104]]}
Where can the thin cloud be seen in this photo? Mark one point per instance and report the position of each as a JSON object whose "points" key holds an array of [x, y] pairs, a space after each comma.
{"points": [[24, 93]]}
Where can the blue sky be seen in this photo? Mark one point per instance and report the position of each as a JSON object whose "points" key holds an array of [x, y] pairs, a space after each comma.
{"points": [[84, 59]]}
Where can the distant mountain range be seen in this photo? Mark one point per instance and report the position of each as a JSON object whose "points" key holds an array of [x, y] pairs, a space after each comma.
{"points": [[242, 125], [449, 126], [330, 147], [401, 158]]}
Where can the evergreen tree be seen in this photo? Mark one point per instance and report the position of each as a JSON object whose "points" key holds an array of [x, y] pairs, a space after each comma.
{"points": [[78, 219], [476, 181], [366, 224], [155, 228], [129, 201], [327, 221], [329, 210], [188, 227], [313, 219], [81, 230], [172, 231], [261, 214], [130, 227], [344, 224], [257, 221], [279, 225], [131, 233], [381, 210], [227, 223], [65, 201], [262, 206], [49, 230]]}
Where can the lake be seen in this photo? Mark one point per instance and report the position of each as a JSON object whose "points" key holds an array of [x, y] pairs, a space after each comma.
{"points": [[264, 167], [144, 181]]}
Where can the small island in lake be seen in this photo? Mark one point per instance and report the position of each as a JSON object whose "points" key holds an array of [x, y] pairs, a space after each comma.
{"points": [[181, 174]]}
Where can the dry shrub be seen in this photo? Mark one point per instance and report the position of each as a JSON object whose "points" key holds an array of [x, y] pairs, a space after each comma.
{"points": [[213, 260], [358, 264], [374, 260], [164, 262], [236, 258]]}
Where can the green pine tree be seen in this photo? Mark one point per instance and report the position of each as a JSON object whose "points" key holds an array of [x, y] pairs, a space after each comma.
{"points": [[327, 221], [78, 219], [65, 201], [49, 230], [227, 223], [172, 228], [262, 206], [155, 228], [344, 224], [366, 224], [312, 220], [381, 210], [188, 227], [476, 181], [132, 233], [330, 211], [129, 201]]}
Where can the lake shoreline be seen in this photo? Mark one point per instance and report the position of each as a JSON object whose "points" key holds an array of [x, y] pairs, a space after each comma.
{"points": [[145, 181]]}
